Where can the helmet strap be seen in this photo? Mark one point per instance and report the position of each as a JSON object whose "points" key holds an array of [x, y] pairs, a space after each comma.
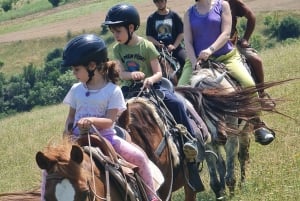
{"points": [[91, 74], [129, 36]]}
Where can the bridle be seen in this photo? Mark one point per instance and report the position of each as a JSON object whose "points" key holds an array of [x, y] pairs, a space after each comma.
{"points": [[91, 193]]}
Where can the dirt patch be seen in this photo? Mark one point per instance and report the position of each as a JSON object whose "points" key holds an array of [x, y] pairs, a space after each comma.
{"points": [[93, 21]]}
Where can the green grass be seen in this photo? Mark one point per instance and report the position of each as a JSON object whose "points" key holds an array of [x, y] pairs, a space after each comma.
{"points": [[13, 54], [84, 9], [25, 9], [272, 175]]}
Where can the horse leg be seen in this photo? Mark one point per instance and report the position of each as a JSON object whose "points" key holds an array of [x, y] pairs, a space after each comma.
{"points": [[212, 157], [243, 155], [190, 195], [231, 148]]}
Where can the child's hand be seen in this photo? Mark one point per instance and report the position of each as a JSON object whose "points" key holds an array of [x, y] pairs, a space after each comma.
{"points": [[84, 123], [138, 75], [148, 82]]}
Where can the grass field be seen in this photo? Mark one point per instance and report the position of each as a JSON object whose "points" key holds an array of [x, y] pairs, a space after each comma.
{"points": [[273, 173]]}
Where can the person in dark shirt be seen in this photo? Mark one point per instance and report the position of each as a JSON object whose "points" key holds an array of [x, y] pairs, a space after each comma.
{"points": [[165, 29]]}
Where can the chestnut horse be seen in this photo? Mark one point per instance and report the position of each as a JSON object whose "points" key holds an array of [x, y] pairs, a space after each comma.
{"points": [[73, 174], [148, 129]]}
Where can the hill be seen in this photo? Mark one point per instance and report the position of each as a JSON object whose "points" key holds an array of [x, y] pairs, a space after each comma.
{"points": [[94, 19]]}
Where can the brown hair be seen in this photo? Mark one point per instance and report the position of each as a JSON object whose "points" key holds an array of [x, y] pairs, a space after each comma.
{"points": [[110, 71]]}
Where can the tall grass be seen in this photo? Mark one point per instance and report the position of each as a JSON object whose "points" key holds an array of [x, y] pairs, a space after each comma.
{"points": [[273, 173], [27, 8]]}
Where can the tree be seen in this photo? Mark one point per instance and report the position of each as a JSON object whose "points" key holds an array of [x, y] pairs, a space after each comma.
{"points": [[54, 3], [289, 27]]}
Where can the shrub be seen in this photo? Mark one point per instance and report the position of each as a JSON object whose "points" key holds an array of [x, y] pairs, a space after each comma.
{"points": [[256, 42], [289, 27], [6, 5], [54, 3]]}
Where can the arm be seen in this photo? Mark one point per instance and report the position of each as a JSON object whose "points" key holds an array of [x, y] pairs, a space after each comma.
{"points": [[176, 43], [69, 121], [100, 123], [155, 42], [251, 19], [179, 31], [225, 28], [223, 37], [157, 74], [188, 39], [150, 32], [125, 75]]}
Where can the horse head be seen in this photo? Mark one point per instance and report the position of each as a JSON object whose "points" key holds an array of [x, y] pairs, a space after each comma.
{"points": [[68, 171], [207, 78]]}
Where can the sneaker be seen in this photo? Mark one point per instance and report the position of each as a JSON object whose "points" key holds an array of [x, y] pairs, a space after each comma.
{"points": [[263, 134], [190, 150]]}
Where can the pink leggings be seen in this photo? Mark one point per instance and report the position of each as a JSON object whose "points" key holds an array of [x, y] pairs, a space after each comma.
{"points": [[133, 154]]}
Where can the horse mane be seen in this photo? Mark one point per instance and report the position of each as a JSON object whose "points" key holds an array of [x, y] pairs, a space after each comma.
{"points": [[151, 110], [144, 123]]}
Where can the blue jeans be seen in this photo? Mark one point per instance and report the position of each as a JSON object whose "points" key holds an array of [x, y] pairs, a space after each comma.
{"points": [[177, 109]]}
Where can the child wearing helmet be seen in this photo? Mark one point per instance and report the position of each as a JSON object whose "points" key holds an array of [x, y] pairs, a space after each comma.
{"points": [[97, 100], [137, 58]]}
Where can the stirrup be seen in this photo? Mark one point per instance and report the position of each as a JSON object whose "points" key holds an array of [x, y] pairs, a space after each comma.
{"points": [[190, 150]]}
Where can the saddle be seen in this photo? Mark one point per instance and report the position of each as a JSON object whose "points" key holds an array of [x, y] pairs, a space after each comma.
{"points": [[120, 170]]}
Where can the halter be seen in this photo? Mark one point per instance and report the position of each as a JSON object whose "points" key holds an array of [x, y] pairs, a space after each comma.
{"points": [[91, 193]]}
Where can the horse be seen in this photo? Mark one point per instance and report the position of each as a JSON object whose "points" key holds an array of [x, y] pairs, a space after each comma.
{"points": [[218, 100], [148, 129], [81, 173], [171, 68]]}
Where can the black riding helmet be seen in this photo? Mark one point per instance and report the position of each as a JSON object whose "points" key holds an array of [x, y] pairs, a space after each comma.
{"points": [[124, 15], [84, 48]]}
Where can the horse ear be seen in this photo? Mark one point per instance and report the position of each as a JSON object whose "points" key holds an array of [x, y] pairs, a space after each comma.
{"points": [[43, 161], [76, 154]]}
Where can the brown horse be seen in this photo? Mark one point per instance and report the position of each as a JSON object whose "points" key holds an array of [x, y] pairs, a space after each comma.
{"points": [[170, 66], [148, 130], [73, 174]]}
